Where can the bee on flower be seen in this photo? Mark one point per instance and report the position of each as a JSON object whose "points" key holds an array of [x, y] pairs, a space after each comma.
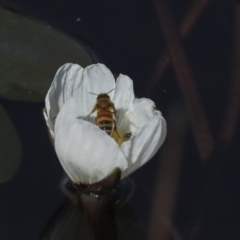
{"points": [[97, 125]]}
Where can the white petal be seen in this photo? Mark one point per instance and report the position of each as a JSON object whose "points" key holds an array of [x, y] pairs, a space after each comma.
{"points": [[141, 112], [67, 80], [144, 144], [97, 79], [149, 132], [86, 153], [123, 98]]}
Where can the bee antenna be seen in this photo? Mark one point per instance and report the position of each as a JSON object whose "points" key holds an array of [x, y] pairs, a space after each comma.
{"points": [[110, 90], [93, 93]]}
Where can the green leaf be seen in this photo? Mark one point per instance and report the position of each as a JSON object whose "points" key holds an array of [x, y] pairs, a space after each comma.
{"points": [[30, 54], [10, 148]]}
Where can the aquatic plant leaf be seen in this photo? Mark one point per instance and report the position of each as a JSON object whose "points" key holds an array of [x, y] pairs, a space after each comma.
{"points": [[10, 148], [30, 54]]}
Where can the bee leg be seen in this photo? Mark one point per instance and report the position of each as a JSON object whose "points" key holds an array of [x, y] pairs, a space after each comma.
{"points": [[94, 109], [115, 129], [127, 136], [114, 113]]}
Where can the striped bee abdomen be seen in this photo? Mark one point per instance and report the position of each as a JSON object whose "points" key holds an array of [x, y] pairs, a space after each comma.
{"points": [[105, 121]]}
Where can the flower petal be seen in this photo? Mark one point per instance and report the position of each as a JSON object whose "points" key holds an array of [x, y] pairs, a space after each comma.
{"points": [[149, 132], [141, 112], [97, 79], [67, 80], [86, 153], [123, 97]]}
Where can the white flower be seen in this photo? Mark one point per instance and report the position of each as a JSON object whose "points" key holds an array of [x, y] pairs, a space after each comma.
{"points": [[86, 152]]}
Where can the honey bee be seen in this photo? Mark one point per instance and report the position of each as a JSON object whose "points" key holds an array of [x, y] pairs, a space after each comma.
{"points": [[106, 114]]}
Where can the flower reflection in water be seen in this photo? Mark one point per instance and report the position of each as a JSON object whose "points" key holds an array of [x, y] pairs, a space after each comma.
{"points": [[85, 216]]}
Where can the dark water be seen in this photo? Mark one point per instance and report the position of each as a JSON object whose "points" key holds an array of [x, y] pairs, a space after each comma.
{"points": [[126, 35]]}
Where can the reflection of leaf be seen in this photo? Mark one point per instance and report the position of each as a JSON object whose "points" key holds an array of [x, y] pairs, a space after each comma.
{"points": [[10, 149], [30, 54]]}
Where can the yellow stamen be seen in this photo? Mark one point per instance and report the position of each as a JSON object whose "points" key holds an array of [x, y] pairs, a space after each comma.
{"points": [[119, 137]]}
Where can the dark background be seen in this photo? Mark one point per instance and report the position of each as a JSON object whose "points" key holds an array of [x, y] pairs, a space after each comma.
{"points": [[127, 37]]}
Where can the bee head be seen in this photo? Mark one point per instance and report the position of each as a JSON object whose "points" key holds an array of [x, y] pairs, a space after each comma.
{"points": [[103, 101], [103, 96]]}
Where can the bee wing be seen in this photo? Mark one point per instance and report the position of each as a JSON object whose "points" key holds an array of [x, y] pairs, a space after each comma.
{"points": [[113, 129]]}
